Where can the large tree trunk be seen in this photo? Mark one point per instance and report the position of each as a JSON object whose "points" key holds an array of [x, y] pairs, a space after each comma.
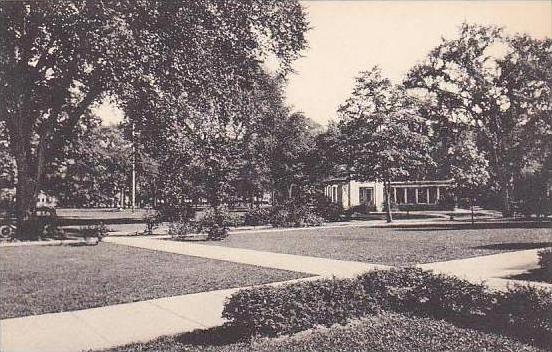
{"points": [[387, 191], [507, 210], [26, 195]]}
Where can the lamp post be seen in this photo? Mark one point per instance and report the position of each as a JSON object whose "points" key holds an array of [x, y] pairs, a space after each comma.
{"points": [[133, 204]]}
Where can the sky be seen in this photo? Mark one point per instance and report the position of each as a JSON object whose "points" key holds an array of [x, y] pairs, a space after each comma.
{"points": [[347, 37]]}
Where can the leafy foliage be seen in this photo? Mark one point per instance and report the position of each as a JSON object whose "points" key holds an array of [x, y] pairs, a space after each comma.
{"points": [[495, 86], [523, 312], [61, 58], [383, 137]]}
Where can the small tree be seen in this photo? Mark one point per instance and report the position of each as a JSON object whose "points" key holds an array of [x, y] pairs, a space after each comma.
{"points": [[384, 138], [469, 170]]}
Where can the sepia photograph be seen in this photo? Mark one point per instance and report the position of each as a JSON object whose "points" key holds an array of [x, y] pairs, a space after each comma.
{"points": [[275, 175]]}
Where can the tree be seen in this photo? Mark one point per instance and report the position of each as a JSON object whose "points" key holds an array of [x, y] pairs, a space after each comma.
{"points": [[294, 155], [59, 58], [495, 85], [469, 170], [384, 138], [94, 168]]}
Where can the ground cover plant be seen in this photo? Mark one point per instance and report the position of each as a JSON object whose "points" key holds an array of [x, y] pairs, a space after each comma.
{"points": [[522, 312], [385, 332], [393, 246], [63, 278]]}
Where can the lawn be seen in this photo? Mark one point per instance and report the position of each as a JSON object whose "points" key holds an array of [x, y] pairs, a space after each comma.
{"points": [[393, 246], [387, 332], [45, 279]]}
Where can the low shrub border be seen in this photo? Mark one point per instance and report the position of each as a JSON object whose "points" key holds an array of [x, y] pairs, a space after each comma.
{"points": [[522, 312], [545, 260]]}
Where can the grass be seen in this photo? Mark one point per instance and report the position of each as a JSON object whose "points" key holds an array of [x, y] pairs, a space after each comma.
{"points": [[393, 246], [46, 279], [385, 332]]}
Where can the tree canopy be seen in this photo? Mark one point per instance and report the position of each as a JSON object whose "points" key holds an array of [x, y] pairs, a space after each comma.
{"points": [[497, 86], [59, 58]]}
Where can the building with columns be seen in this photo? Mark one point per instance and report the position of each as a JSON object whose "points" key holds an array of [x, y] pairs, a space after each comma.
{"points": [[350, 193]]}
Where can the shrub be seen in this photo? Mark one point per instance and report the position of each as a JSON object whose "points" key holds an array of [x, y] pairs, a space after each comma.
{"points": [[545, 259], [328, 210], [98, 231], [53, 231], [182, 229], [294, 214], [523, 312], [257, 217], [152, 220], [216, 223], [427, 294], [291, 308]]}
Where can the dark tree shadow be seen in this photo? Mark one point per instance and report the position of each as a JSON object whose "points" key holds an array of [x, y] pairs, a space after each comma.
{"points": [[469, 226], [515, 246], [536, 275], [217, 336]]}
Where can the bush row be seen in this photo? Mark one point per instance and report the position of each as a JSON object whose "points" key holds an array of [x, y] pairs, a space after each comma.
{"points": [[523, 312], [545, 259], [295, 214], [215, 222]]}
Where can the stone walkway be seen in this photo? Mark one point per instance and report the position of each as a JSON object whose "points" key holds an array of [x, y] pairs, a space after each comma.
{"points": [[493, 269], [116, 325], [310, 265]]}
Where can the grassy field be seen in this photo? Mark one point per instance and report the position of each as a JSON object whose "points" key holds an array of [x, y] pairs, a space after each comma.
{"points": [[397, 246], [47, 279], [384, 333]]}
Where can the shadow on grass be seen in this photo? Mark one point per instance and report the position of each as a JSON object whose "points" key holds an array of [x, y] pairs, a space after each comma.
{"points": [[469, 226], [535, 275], [217, 336], [515, 246]]}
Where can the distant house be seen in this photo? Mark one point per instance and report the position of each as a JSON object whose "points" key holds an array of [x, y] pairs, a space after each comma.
{"points": [[43, 200], [424, 194]]}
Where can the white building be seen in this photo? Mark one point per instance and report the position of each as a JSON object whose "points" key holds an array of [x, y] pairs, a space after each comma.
{"points": [[352, 193]]}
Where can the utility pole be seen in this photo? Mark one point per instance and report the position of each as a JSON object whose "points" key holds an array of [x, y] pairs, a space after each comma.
{"points": [[133, 170]]}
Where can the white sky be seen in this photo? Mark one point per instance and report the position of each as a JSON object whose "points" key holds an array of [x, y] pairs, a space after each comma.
{"points": [[350, 36]]}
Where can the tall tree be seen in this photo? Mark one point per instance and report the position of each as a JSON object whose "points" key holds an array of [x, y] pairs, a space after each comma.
{"points": [[293, 155], [59, 58], [495, 85], [384, 138], [469, 169]]}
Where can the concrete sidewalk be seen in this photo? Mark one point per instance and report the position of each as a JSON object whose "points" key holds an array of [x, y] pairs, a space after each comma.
{"points": [[493, 269], [110, 326], [310, 265], [116, 325]]}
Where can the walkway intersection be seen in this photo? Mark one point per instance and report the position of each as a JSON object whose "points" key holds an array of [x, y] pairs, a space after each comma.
{"points": [[110, 326]]}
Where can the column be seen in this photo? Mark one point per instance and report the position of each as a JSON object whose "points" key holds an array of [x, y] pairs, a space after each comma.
{"points": [[395, 194], [427, 195], [416, 194], [405, 196], [437, 196]]}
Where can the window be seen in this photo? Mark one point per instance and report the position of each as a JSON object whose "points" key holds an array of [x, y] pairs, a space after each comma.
{"points": [[411, 195], [400, 195], [366, 195], [422, 195], [433, 195]]}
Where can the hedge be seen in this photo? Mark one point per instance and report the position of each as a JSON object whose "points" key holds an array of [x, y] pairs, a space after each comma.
{"points": [[523, 312]]}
